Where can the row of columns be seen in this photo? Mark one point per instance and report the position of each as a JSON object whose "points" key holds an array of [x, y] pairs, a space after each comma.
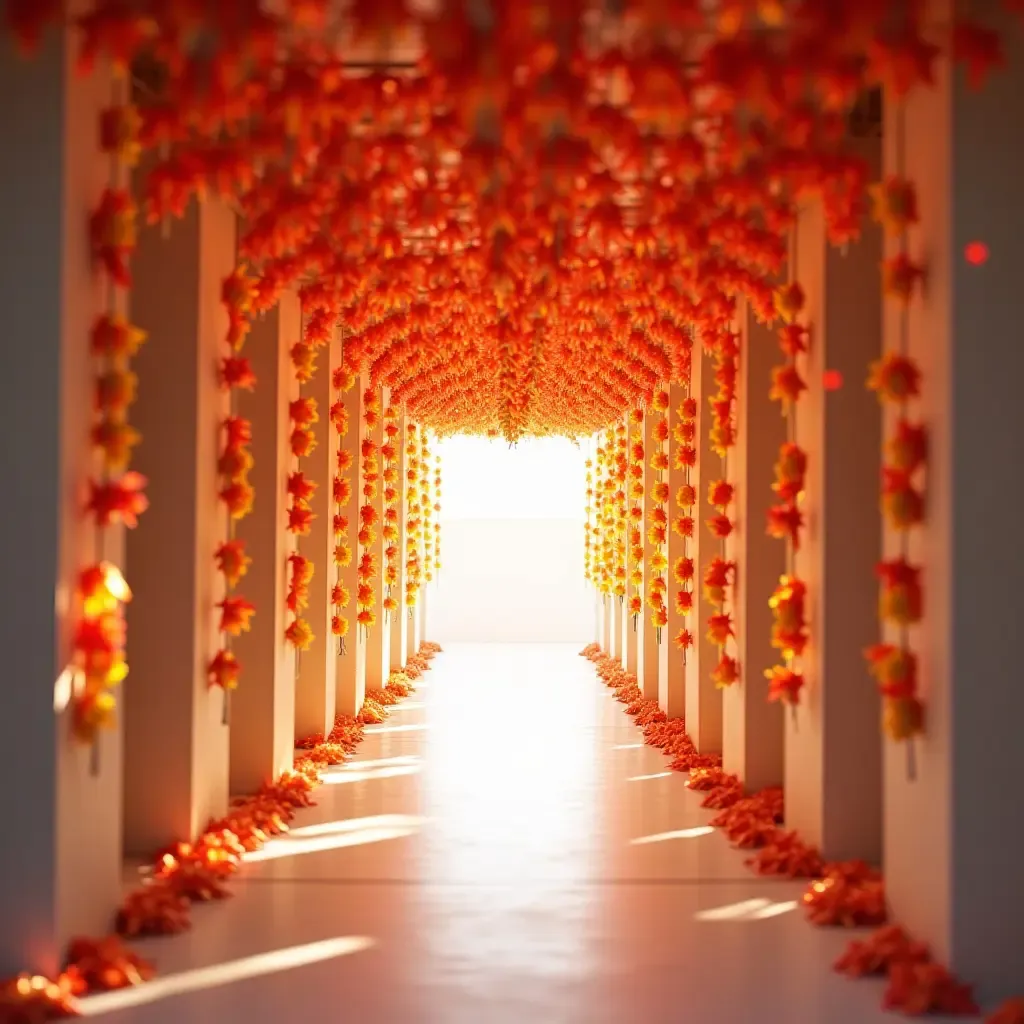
{"points": [[948, 835], [180, 749]]}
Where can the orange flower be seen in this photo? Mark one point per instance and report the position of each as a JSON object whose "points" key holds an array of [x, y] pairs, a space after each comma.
{"points": [[784, 684], [232, 561], [235, 616]]}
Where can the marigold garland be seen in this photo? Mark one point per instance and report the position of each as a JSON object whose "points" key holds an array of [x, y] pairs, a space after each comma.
{"points": [[635, 521], [413, 522], [719, 575], [369, 567], [97, 663], [426, 509], [657, 516], [343, 380], [389, 456], [684, 435], [896, 379], [235, 491]]}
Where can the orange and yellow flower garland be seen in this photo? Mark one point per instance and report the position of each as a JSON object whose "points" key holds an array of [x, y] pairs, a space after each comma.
{"points": [[657, 515], [719, 576], [437, 514], [343, 381], [896, 378], [303, 413], [413, 522], [389, 456], [116, 493], [368, 568], [785, 520], [235, 491], [621, 498], [589, 532], [684, 434], [635, 537], [427, 510]]}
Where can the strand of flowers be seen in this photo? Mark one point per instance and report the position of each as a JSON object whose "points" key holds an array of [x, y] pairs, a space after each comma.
{"points": [[896, 378], [635, 539], [234, 464], [621, 510], [368, 567], [426, 504], [685, 435], [785, 520], [657, 517], [720, 573], [607, 514], [116, 492], [303, 412], [389, 455], [413, 523], [437, 513], [588, 525], [599, 536], [343, 380]]}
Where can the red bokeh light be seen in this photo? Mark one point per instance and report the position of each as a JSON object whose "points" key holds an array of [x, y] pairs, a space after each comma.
{"points": [[833, 380], [976, 253]]}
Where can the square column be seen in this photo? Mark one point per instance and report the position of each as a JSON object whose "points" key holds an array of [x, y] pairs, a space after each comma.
{"points": [[262, 714], [350, 671], [953, 829], [378, 650], [399, 631], [315, 683], [176, 736], [752, 728], [833, 749], [704, 710], [617, 458], [62, 874]]}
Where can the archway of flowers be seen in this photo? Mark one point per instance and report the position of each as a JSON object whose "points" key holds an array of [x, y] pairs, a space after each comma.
{"points": [[524, 216]]}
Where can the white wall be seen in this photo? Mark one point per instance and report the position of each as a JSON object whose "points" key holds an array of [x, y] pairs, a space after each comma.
{"points": [[511, 544], [511, 581]]}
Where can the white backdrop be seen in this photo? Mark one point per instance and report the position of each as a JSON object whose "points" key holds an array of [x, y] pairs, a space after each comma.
{"points": [[511, 544]]}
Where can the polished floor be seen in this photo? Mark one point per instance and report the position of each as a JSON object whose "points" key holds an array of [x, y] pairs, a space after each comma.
{"points": [[503, 850]]}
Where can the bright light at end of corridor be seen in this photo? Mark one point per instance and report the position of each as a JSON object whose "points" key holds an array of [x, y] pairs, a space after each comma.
{"points": [[223, 974]]}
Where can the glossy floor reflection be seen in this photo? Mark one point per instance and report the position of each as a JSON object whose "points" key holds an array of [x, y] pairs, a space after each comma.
{"points": [[503, 850]]}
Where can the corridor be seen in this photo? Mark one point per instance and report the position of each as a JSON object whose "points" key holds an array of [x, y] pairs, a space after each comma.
{"points": [[502, 850]]}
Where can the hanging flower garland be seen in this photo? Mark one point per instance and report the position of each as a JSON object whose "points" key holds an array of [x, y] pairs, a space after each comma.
{"points": [[635, 536], [368, 568], [303, 412], [657, 517], [437, 514], [606, 515], [621, 512], [684, 434], [413, 523], [427, 510], [719, 576], [116, 492], [896, 379], [235, 491], [389, 456], [588, 522], [785, 519], [343, 381]]}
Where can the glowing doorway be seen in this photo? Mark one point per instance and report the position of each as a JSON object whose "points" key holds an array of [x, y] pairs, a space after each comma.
{"points": [[512, 540]]}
